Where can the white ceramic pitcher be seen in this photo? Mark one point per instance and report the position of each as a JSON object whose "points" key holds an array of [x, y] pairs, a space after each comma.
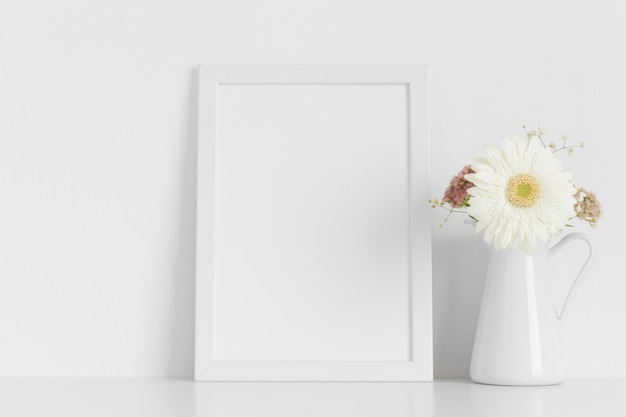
{"points": [[518, 338]]}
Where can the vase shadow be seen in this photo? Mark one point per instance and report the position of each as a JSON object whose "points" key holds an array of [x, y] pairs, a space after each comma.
{"points": [[459, 268]]}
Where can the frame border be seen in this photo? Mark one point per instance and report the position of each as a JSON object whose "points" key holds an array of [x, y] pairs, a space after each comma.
{"points": [[420, 364]]}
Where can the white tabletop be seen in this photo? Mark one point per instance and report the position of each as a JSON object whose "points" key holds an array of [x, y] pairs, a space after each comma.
{"points": [[181, 398]]}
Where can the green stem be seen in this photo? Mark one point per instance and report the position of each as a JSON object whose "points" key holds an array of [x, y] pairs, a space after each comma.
{"points": [[562, 148], [450, 211]]}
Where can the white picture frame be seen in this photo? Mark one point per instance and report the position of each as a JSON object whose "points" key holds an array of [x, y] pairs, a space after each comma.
{"points": [[227, 95]]}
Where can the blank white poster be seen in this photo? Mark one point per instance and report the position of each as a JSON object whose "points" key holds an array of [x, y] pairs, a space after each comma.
{"points": [[312, 223], [313, 228]]}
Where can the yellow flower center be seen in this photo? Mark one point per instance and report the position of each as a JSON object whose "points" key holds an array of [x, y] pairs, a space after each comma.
{"points": [[523, 190]]}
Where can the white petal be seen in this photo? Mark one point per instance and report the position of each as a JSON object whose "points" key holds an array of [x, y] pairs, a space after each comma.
{"points": [[509, 226]]}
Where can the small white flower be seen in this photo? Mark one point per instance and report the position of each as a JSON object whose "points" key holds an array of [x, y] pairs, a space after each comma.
{"points": [[521, 194]]}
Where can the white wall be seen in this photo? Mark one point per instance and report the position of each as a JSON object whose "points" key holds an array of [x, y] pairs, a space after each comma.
{"points": [[97, 142]]}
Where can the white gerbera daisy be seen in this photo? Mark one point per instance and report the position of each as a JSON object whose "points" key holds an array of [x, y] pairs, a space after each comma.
{"points": [[521, 194]]}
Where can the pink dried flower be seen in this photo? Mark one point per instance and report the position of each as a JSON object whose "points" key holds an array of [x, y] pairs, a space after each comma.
{"points": [[456, 193], [587, 206]]}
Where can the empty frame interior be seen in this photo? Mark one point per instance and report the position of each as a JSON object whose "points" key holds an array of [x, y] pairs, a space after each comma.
{"points": [[309, 198]]}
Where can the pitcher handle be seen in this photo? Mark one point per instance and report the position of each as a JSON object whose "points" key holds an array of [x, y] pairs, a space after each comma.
{"points": [[581, 273]]}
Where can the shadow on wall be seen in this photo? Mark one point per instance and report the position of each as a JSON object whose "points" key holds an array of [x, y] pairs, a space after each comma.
{"points": [[180, 328], [459, 270]]}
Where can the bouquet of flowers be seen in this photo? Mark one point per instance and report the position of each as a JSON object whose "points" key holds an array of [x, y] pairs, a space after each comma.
{"points": [[520, 193]]}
